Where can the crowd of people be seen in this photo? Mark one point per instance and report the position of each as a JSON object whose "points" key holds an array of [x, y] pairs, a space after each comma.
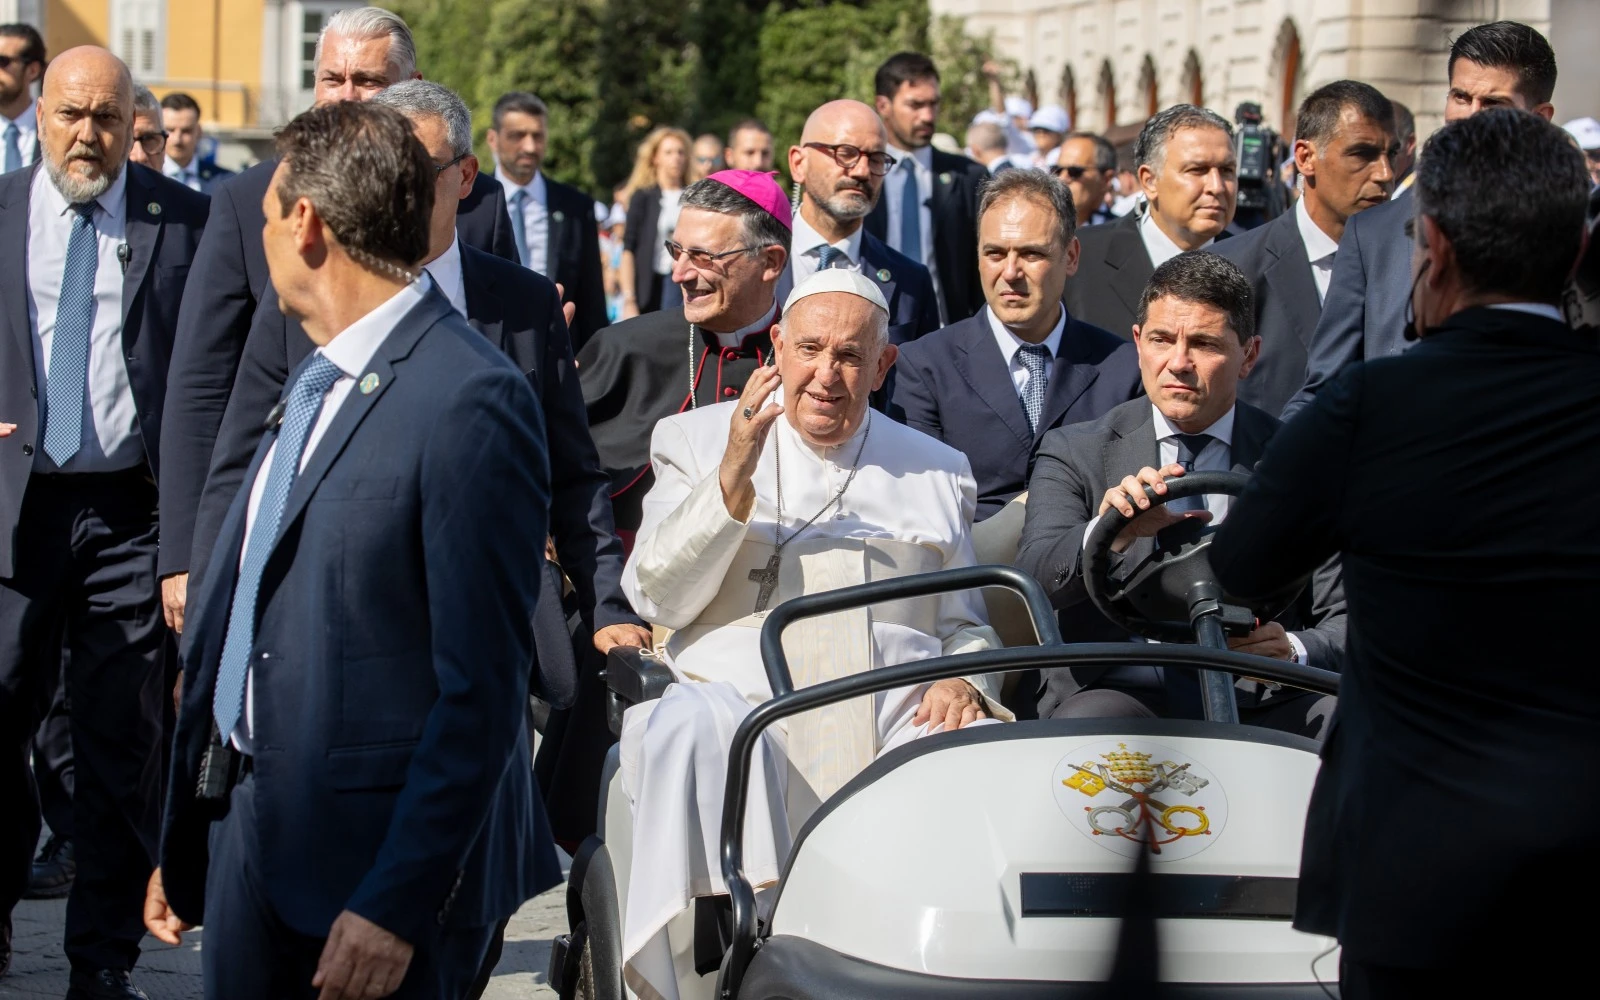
{"points": [[427, 438]]}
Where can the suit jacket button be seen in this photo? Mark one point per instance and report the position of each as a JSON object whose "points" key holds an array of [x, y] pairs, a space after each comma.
{"points": [[27, 449]]}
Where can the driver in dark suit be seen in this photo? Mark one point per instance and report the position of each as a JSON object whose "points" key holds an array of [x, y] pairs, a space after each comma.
{"points": [[1196, 339], [1453, 819]]}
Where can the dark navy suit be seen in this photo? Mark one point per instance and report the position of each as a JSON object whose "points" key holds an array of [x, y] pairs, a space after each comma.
{"points": [[230, 278], [78, 550], [955, 386], [390, 770], [905, 284]]}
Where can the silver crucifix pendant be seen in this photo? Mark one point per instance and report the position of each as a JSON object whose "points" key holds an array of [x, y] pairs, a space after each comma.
{"points": [[768, 579]]}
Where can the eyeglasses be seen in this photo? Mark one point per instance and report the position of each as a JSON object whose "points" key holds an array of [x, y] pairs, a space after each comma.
{"points": [[439, 168], [847, 156], [1074, 172], [701, 259], [6, 62], [152, 142]]}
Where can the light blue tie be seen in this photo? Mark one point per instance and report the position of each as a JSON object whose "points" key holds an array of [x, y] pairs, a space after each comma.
{"points": [[1035, 358], [299, 415], [519, 225], [13, 151], [829, 255], [66, 383], [911, 213]]}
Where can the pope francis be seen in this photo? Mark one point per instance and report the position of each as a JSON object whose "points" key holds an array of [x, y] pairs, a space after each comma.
{"points": [[795, 487]]}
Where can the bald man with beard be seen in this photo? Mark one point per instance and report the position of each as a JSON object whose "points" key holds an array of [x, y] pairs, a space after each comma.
{"points": [[839, 166]]}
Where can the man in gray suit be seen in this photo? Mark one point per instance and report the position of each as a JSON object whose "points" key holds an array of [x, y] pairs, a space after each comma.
{"points": [[1343, 144], [1500, 65], [1196, 339]]}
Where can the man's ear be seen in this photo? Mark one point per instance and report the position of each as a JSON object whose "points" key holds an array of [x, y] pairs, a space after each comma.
{"points": [[883, 105], [1147, 182], [1437, 250], [797, 160], [1305, 159], [1252, 354], [469, 173], [886, 361], [775, 258], [1074, 252], [1547, 111]]}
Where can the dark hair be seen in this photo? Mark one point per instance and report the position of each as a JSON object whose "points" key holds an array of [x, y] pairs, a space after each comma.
{"points": [[519, 102], [1510, 191], [1514, 46], [747, 124], [902, 68], [1405, 124], [1210, 280], [1151, 149], [1105, 154], [368, 177], [1037, 186], [179, 101], [32, 44], [1318, 120], [761, 228]]}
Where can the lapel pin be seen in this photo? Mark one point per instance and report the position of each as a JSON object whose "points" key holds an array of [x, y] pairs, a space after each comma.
{"points": [[944, 178], [369, 382], [883, 274], [558, 216], [154, 208]]}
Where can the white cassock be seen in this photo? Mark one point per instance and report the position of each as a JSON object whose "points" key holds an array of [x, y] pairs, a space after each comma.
{"points": [[908, 511]]}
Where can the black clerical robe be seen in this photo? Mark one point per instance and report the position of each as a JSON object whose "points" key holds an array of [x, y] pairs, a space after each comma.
{"points": [[635, 372]]}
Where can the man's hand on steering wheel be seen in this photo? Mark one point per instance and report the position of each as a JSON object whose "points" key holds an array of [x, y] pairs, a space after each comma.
{"points": [[1131, 497], [1269, 640]]}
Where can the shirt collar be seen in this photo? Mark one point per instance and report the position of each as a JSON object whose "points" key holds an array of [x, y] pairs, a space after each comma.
{"points": [[1222, 430], [445, 270], [1010, 343], [923, 156], [761, 325], [1157, 243], [1544, 309], [806, 239], [28, 121], [113, 201], [353, 347], [1318, 243], [535, 187]]}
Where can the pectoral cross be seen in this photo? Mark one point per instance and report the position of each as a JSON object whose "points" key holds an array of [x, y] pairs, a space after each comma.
{"points": [[768, 579]]}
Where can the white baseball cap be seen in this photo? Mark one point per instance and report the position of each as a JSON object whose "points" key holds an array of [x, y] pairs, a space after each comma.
{"points": [[1586, 131], [1051, 118], [1018, 107]]}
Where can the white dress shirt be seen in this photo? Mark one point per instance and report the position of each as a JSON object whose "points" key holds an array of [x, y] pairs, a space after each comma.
{"points": [[1544, 309], [535, 219], [27, 125], [351, 350], [808, 244], [1011, 344], [893, 186], [188, 176], [445, 270], [1158, 244], [1320, 248], [111, 439]]}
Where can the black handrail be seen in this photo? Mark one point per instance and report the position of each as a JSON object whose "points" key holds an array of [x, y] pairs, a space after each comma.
{"points": [[1053, 654]]}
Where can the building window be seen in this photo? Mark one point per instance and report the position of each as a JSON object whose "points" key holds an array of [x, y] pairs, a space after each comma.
{"points": [[1069, 95], [1108, 94], [138, 35], [1149, 88], [1194, 80], [1287, 58], [306, 28]]}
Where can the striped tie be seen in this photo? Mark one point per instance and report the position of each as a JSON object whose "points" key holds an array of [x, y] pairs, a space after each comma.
{"points": [[66, 383], [830, 255]]}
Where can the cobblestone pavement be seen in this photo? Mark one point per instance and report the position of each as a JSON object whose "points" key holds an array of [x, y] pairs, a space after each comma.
{"points": [[39, 970]]}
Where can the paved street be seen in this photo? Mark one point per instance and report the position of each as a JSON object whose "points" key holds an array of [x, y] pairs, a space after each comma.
{"points": [[40, 971]]}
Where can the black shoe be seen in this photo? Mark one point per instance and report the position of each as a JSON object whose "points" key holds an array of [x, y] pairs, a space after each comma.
{"points": [[53, 870], [103, 984]]}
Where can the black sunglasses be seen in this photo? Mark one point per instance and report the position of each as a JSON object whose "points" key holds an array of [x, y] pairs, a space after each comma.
{"points": [[1074, 172], [6, 62]]}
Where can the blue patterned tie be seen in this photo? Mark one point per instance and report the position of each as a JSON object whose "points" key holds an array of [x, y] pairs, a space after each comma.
{"points": [[911, 213], [519, 225], [1189, 448], [300, 414], [1035, 358], [13, 151], [829, 255], [67, 381]]}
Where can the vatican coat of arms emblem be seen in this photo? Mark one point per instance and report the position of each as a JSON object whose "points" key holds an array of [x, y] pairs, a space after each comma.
{"points": [[1130, 793]]}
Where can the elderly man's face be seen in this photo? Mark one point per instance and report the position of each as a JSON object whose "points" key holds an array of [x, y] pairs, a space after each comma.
{"points": [[353, 69], [725, 294], [832, 352], [149, 144], [86, 122], [1191, 361], [1024, 269], [1193, 194]]}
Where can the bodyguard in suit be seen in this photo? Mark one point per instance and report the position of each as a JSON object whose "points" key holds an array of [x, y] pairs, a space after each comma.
{"points": [[360, 648], [98, 254], [1195, 338], [1344, 139], [553, 222], [360, 51], [22, 53], [1497, 65], [1190, 180], [1454, 481], [839, 167], [180, 117], [929, 208], [991, 386]]}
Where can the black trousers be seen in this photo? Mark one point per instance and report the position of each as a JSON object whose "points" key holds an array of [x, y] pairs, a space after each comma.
{"points": [[86, 568], [250, 954], [52, 759]]}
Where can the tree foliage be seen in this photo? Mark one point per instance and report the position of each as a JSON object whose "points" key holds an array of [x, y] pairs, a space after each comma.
{"points": [[610, 70]]}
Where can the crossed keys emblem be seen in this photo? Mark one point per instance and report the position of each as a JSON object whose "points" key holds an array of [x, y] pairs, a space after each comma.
{"points": [[1143, 817]]}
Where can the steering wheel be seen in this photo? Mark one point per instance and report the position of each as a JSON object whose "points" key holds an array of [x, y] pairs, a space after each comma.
{"points": [[1159, 597]]}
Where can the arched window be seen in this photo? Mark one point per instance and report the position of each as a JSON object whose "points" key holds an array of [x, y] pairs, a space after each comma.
{"points": [[1108, 94], [1194, 80], [1286, 57], [1149, 91], [1069, 95]]}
